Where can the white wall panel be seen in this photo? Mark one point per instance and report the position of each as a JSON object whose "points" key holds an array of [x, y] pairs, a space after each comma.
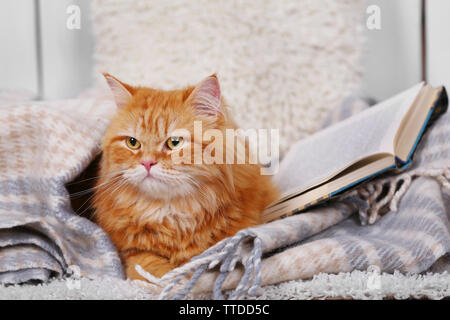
{"points": [[67, 53], [392, 59], [438, 42], [18, 65]]}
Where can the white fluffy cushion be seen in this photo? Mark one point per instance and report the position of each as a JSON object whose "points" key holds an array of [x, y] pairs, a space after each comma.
{"points": [[281, 64]]}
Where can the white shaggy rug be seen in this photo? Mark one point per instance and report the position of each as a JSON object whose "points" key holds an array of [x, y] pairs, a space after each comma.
{"points": [[281, 64], [354, 285]]}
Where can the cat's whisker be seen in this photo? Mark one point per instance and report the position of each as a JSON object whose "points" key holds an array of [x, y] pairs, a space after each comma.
{"points": [[113, 183], [120, 185], [87, 191], [181, 180], [99, 176], [96, 177], [90, 205]]}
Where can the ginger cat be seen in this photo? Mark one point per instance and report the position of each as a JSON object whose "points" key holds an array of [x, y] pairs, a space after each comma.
{"points": [[160, 213]]}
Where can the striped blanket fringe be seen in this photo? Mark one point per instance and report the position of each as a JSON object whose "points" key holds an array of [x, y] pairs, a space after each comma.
{"points": [[226, 254], [387, 192]]}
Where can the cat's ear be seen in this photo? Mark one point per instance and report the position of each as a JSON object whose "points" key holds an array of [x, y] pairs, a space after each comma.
{"points": [[205, 97], [121, 91]]}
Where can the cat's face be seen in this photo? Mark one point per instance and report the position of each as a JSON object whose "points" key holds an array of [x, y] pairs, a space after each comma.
{"points": [[149, 127]]}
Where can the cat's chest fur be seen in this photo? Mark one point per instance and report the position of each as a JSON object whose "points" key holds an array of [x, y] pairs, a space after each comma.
{"points": [[169, 228], [170, 213], [182, 215]]}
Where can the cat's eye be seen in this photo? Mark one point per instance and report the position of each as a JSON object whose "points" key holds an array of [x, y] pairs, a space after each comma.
{"points": [[133, 143], [174, 142]]}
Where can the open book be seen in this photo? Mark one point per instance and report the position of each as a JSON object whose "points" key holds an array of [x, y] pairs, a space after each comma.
{"points": [[341, 156]]}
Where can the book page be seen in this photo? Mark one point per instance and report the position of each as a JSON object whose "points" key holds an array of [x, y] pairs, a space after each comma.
{"points": [[326, 153]]}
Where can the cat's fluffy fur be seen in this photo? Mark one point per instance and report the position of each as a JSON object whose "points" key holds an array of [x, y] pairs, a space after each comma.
{"points": [[160, 222]]}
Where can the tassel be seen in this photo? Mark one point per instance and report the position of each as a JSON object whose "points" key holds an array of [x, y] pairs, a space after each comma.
{"points": [[370, 204], [406, 179], [225, 254]]}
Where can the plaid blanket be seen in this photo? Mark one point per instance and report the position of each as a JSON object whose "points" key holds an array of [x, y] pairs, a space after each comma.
{"points": [[46, 145]]}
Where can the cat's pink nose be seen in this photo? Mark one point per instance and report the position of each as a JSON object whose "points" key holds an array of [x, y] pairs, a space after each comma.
{"points": [[148, 164]]}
